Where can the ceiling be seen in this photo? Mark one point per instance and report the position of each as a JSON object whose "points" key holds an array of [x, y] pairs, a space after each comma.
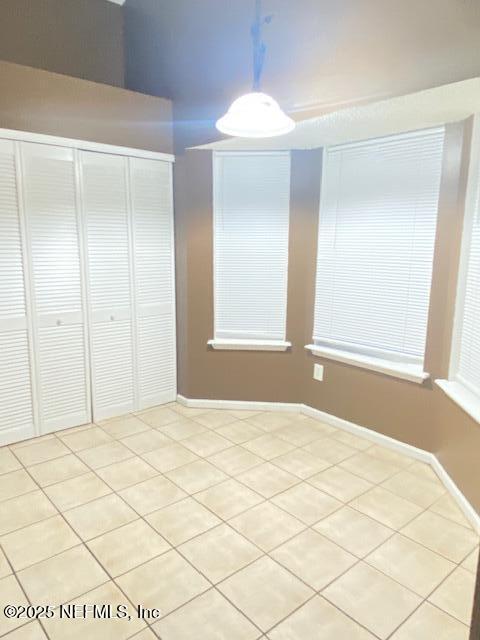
{"points": [[322, 56], [420, 110], [319, 52]]}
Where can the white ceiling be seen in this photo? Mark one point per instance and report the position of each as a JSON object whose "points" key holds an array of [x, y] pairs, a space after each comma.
{"points": [[433, 107], [117, 1]]}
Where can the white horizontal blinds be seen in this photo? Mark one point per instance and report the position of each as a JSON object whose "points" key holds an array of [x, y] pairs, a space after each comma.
{"points": [[152, 216], [104, 198], [376, 239], [16, 408], [49, 191], [468, 367], [251, 223]]}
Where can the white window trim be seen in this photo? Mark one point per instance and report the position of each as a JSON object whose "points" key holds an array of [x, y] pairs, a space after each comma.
{"points": [[222, 344], [402, 370], [466, 399]]}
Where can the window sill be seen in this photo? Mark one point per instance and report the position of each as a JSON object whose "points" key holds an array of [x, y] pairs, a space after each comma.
{"points": [[465, 399], [220, 344], [410, 372]]}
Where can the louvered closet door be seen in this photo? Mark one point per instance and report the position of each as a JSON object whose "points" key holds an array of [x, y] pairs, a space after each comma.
{"points": [[16, 406], [152, 216], [105, 211], [49, 191]]}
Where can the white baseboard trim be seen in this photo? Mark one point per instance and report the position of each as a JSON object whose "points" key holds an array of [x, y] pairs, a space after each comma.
{"points": [[378, 438], [238, 405], [464, 505]]}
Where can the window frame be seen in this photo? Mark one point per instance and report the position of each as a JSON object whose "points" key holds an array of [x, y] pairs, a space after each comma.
{"points": [[454, 388], [244, 344], [400, 366]]}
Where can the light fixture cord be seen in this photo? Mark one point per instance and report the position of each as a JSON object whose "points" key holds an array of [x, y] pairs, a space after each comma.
{"points": [[259, 47]]}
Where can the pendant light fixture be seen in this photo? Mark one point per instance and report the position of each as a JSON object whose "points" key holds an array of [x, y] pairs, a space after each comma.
{"points": [[256, 114]]}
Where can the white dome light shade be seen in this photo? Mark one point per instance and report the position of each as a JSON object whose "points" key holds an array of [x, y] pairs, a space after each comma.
{"points": [[255, 115]]}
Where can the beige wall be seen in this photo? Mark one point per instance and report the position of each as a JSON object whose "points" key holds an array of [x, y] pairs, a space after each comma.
{"points": [[81, 38], [44, 102], [420, 415]]}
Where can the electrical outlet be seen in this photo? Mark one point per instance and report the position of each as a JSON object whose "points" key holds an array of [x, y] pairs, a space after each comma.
{"points": [[318, 372]]}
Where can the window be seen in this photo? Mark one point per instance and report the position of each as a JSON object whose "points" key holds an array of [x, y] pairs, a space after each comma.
{"points": [[376, 237], [464, 383], [251, 220]]}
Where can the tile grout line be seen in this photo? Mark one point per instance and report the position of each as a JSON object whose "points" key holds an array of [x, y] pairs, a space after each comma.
{"points": [[295, 448], [14, 575], [214, 585], [267, 553], [39, 620], [236, 478], [348, 504], [339, 463], [172, 548], [426, 598], [83, 544], [230, 476], [311, 528], [175, 548]]}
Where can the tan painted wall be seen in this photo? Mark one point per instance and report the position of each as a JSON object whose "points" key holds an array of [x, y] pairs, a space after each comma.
{"points": [[81, 38], [418, 414], [44, 102]]}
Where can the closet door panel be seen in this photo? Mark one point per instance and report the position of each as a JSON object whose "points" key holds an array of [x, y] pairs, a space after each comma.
{"points": [[113, 366], [104, 198], [16, 404], [49, 188], [156, 360], [152, 215], [62, 383]]}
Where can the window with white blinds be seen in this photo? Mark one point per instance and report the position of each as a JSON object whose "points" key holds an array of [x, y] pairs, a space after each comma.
{"points": [[376, 238], [251, 222], [464, 383]]}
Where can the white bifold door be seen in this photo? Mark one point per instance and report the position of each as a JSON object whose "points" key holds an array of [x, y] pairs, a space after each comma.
{"points": [[57, 301], [152, 228], [127, 209], [87, 308], [110, 285], [16, 384]]}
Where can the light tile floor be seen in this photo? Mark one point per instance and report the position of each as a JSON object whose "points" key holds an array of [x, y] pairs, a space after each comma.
{"points": [[237, 525]]}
